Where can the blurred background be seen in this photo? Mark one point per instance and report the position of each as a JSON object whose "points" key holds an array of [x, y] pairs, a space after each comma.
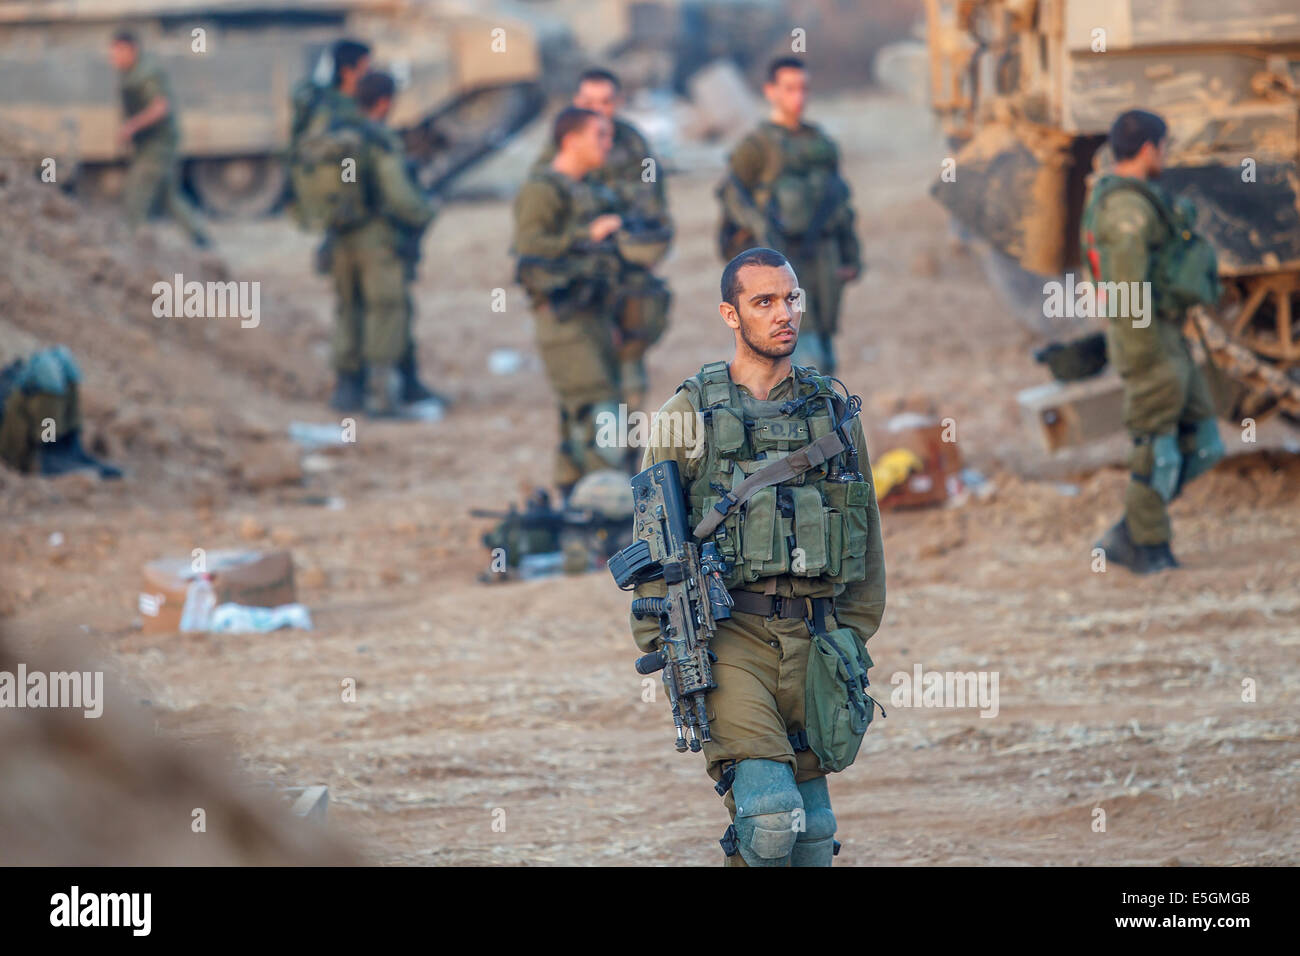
{"points": [[469, 698]]}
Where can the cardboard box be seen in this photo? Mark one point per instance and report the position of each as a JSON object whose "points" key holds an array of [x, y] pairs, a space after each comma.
{"points": [[254, 578], [923, 435]]}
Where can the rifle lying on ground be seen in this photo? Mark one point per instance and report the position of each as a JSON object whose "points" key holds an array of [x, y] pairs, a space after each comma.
{"points": [[697, 598]]}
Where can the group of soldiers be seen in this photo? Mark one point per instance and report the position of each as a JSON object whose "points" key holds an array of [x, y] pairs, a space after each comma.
{"points": [[780, 480], [592, 222]]}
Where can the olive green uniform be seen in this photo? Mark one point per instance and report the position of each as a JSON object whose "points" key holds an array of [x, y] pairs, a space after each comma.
{"points": [[575, 337], [762, 661], [785, 192], [642, 200], [625, 173], [371, 264], [154, 170], [1165, 394]]}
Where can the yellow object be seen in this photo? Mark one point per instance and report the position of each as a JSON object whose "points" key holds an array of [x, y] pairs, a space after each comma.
{"points": [[892, 469]]}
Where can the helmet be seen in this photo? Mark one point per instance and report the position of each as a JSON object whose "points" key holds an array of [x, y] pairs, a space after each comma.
{"points": [[607, 493], [643, 244]]}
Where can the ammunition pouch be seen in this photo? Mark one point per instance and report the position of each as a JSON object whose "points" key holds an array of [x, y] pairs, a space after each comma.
{"points": [[643, 243], [815, 524], [837, 710], [642, 311]]}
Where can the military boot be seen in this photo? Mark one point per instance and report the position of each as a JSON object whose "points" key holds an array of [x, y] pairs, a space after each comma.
{"points": [[413, 390], [349, 392], [67, 455], [383, 392], [1120, 549]]}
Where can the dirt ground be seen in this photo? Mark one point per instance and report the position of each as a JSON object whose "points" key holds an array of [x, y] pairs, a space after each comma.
{"points": [[517, 704]]}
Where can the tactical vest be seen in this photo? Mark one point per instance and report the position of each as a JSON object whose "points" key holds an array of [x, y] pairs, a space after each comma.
{"points": [[816, 525], [593, 266], [806, 194]]}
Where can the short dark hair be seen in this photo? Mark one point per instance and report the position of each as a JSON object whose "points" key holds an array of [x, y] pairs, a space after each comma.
{"points": [[570, 120], [373, 87], [1134, 128], [596, 74], [783, 63], [758, 256], [126, 37], [346, 55]]}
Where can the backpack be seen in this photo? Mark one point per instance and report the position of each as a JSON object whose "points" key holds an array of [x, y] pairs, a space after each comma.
{"points": [[1184, 269], [329, 179], [796, 205]]}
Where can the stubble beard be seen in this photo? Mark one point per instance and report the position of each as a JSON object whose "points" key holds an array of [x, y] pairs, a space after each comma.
{"points": [[766, 351]]}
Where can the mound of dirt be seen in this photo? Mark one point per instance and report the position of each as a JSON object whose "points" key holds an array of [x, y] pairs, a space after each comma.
{"points": [[183, 399]]}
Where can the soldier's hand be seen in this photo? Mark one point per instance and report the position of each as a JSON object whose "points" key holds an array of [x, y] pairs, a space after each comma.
{"points": [[124, 134], [847, 273], [604, 226]]}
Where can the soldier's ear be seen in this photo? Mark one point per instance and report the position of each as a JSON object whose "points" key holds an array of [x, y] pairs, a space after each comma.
{"points": [[729, 314]]}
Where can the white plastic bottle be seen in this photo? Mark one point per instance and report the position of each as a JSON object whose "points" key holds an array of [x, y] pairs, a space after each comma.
{"points": [[200, 599]]}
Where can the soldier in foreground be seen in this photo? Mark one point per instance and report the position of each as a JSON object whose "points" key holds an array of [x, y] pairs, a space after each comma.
{"points": [[371, 217], [784, 190], [771, 460], [633, 175], [1132, 233], [152, 129], [564, 218]]}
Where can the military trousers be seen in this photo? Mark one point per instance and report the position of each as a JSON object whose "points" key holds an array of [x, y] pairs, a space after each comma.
{"points": [[372, 323], [153, 174], [1169, 396], [582, 366], [761, 668]]}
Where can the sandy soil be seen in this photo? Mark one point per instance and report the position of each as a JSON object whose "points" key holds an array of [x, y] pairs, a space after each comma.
{"points": [[518, 703]]}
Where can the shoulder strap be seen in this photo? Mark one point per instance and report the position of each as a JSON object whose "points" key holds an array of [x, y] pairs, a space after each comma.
{"points": [[1142, 189], [793, 465], [773, 161], [712, 379]]}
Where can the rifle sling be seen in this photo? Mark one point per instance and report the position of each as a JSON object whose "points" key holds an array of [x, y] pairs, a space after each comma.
{"points": [[793, 465]]}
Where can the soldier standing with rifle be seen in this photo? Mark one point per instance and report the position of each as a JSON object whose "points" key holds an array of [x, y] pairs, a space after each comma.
{"points": [[1132, 234], [633, 175], [759, 572], [784, 190], [564, 219]]}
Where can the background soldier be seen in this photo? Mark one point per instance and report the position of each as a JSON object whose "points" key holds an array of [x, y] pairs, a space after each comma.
{"points": [[315, 108], [563, 217], [1127, 227], [152, 127], [375, 218], [807, 571], [633, 175], [315, 104], [784, 190]]}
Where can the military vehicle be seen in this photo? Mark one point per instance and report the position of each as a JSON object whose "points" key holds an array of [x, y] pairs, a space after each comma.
{"points": [[1027, 90], [469, 76]]}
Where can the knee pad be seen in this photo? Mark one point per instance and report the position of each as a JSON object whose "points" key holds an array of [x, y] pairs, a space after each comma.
{"points": [[1206, 450], [815, 839], [768, 812], [1168, 466]]}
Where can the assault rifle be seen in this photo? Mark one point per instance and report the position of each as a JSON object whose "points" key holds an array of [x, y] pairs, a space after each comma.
{"points": [[697, 599]]}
